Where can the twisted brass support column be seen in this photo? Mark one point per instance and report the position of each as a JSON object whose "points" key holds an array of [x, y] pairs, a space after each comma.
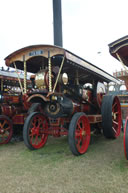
{"points": [[49, 72], [58, 74], [77, 79], [121, 62], [21, 87], [25, 76], [2, 84]]}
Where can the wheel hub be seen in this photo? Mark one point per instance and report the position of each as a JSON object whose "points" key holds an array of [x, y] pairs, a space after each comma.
{"points": [[114, 115], [1, 131], [83, 133], [35, 131]]}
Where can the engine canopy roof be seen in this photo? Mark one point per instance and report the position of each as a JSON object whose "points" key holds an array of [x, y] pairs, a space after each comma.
{"points": [[120, 47], [36, 57]]}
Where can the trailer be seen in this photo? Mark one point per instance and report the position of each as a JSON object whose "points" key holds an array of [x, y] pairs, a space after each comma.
{"points": [[68, 97]]}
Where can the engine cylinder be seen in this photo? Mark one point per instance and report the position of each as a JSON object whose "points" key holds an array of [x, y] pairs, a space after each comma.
{"points": [[61, 108]]}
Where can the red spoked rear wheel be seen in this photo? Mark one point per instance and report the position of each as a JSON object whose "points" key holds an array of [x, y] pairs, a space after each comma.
{"points": [[111, 116], [126, 139], [79, 134], [6, 129], [34, 131], [116, 117]]}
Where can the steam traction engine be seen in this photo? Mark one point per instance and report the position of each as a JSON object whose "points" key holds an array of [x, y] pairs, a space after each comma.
{"points": [[13, 106], [119, 50], [68, 98]]}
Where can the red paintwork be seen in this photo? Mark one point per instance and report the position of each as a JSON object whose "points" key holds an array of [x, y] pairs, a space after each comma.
{"points": [[82, 134], [38, 127], [18, 119], [116, 124], [25, 102], [94, 118], [11, 98], [15, 108], [14, 112], [125, 138], [8, 110], [56, 131], [5, 129], [14, 105], [84, 108]]}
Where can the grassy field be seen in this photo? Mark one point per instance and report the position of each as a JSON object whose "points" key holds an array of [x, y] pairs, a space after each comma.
{"points": [[53, 169]]}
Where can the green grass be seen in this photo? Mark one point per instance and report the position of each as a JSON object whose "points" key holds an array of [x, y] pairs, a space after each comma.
{"points": [[103, 169]]}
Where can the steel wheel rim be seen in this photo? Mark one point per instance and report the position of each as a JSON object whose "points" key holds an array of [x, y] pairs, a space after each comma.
{"points": [[126, 138], [5, 130], [116, 117], [38, 125], [82, 134]]}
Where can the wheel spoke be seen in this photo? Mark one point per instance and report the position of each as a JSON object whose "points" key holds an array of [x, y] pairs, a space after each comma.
{"points": [[115, 122], [77, 134], [116, 112], [5, 129], [78, 142], [114, 130], [113, 106], [85, 136], [8, 128], [33, 124], [36, 139], [31, 135], [39, 122], [2, 124], [5, 135], [31, 138], [111, 116], [79, 126]]}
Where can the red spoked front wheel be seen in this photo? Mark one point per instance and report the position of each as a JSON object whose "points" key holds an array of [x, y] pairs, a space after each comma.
{"points": [[126, 138], [79, 134], [34, 131], [6, 129]]}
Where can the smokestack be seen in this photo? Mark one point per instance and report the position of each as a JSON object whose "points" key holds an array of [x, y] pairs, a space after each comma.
{"points": [[57, 23]]}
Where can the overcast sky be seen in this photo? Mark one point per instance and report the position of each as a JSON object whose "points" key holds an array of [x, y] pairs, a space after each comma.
{"points": [[88, 27]]}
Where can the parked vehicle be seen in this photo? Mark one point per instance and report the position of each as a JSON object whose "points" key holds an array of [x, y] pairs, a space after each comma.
{"points": [[119, 50], [13, 106], [68, 98]]}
